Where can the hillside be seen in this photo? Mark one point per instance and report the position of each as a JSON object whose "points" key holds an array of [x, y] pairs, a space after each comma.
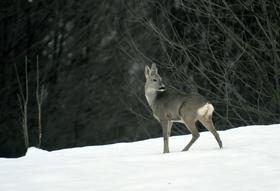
{"points": [[249, 161]]}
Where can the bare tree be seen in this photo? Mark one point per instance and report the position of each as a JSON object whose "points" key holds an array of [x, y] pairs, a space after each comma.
{"points": [[23, 103], [39, 98]]}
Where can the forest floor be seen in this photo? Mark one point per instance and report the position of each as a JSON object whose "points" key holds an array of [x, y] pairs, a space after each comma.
{"points": [[250, 160]]}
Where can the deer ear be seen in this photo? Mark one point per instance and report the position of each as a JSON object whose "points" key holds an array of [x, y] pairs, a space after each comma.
{"points": [[154, 68], [147, 71]]}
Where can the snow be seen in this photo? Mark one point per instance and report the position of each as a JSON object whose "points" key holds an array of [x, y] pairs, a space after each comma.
{"points": [[250, 160]]}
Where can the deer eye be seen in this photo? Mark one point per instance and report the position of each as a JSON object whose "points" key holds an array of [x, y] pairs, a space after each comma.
{"points": [[154, 80]]}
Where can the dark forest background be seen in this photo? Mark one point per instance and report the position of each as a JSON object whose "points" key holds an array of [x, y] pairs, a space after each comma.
{"points": [[91, 56]]}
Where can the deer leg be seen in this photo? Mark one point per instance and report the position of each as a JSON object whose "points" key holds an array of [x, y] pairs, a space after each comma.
{"points": [[208, 124], [195, 134], [166, 130]]}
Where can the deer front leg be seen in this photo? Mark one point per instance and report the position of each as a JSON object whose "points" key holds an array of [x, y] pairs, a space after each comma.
{"points": [[166, 130]]}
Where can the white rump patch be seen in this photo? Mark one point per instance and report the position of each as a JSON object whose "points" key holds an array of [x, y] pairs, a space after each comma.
{"points": [[207, 109]]}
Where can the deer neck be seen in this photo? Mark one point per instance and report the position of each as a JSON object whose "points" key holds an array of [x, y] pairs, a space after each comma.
{"points": [[151, 96]]}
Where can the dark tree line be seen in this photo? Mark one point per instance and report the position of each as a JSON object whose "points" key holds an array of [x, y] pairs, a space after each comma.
{"points": [[91, 56]]}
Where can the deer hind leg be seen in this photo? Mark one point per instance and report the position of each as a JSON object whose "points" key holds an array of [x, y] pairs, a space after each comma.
{"points": [[166, 130], [195, 134], [208, 124]]}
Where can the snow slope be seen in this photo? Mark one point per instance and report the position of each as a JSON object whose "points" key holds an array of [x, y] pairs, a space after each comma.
{"points": [[250, 160]]}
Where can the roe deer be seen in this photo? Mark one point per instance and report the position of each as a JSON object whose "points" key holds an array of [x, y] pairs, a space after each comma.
{"points": [[170, 106]]}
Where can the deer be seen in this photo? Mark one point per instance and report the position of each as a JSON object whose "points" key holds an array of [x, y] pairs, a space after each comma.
{"points": [[170, 105]]}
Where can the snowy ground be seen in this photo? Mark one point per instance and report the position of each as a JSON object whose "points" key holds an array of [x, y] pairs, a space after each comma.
{"points": [[250, 160]]}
